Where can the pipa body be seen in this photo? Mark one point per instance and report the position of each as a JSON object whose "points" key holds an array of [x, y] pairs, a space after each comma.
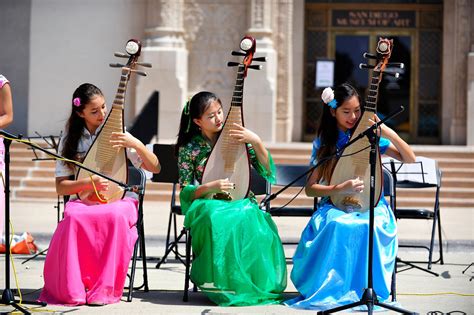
{"points": [[102, 156], [105, 159], [355, 160], [229, 158], [355, 163]]}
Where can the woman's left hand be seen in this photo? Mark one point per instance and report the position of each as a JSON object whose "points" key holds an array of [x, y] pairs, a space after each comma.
{"points": [[123, 140], [243, 134], [383, 129]]}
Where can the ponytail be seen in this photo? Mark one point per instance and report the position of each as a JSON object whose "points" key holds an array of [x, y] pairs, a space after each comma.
{"points": [[193, 109]]}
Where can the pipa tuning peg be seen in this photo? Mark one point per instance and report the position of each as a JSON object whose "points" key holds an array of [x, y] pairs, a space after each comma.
{"points": [[365, 66], [120, 55], [237, 53], [232, 64], [144, 64], [116, 65], [395, 74], [255, 67], [396, 65], [369, 56], [260, 59], [142, 73]]}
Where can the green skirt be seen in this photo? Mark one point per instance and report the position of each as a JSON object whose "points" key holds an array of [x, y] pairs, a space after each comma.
{"points": [[239, 258]]}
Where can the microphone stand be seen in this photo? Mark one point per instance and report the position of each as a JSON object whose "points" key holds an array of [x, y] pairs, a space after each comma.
{"points": [[8, 297], [369, 296]]}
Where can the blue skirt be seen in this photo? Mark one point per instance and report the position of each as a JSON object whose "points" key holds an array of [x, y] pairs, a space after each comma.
{"points": [[330, 263]]}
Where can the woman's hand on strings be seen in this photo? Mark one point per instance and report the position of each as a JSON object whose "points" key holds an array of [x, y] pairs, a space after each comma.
{"points": [[100, 183], [220, 185], [244, 135], [123, 140], [351, 186]]}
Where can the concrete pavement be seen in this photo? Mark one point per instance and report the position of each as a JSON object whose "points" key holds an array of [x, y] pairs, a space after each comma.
{"points": [[417, 290]]}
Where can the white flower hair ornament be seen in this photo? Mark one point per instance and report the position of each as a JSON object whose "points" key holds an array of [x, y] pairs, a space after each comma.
{"points": [[328, 98]]}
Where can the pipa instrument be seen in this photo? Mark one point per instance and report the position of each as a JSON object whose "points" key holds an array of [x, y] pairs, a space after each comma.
{"points": [[355, 162], [101, 156], [229, 158]]}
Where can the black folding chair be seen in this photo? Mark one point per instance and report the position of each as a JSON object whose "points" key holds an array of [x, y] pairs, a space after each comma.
{"points": [[169, 174], [137, 177], [389, 191], [285, 174]]}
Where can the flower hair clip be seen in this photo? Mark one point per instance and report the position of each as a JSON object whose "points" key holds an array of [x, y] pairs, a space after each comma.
{"points": [[328, 98], [76, 101]]}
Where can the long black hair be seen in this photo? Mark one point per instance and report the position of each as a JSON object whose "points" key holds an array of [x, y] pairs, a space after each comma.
{"points": [[75, 124], [328, 131], [194, 108]]}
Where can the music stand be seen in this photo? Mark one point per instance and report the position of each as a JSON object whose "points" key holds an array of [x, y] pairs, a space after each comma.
{"points": [[396, 173], [8, 297]]}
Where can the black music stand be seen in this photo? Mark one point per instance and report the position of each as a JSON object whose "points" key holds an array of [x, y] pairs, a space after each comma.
{"points": [[369, 297], [8, 297]]}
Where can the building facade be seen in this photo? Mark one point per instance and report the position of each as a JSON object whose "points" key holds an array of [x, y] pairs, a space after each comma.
{"points": [[49, 47]]}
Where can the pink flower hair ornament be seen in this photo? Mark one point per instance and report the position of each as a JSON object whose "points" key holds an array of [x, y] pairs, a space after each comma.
{"points": [[76, 101]]}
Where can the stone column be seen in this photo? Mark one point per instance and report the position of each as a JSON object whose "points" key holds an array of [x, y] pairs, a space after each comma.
{"points": [[284, 33], [165, 50], [456, 46], [260, 86], [470, 99]]}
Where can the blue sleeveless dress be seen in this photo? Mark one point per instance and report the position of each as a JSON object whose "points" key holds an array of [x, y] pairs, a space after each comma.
{"points": [[330, 262]]}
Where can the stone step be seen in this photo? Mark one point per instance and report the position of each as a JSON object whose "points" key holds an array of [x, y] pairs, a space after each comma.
{"points": [[467, 182], [18, 171], [33, 182], [442, 162], [43, 172], [452, 172], [451, 187], [436, 152], [461, 193], [457, 164], [42, 193], [34, 193], [428, 203], [305, 147]]}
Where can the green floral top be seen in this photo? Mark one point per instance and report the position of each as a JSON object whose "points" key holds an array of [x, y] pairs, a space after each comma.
{"points": [[192, 158]]}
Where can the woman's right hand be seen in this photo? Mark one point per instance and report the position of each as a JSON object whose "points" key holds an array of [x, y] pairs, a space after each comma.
{"points": [[100, 183], [220, 185], [351, 186]]}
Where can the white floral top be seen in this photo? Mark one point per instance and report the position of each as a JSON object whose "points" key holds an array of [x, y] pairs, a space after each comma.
{"points": [[62, 170]]}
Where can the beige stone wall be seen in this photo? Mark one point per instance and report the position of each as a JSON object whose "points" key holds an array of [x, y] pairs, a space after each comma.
{"points": [[72, 42], [457, 43], [198, 49], [189, 43]]}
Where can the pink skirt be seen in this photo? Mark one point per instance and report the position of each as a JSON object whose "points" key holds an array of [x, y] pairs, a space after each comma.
{"points": [[89, 253]]}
